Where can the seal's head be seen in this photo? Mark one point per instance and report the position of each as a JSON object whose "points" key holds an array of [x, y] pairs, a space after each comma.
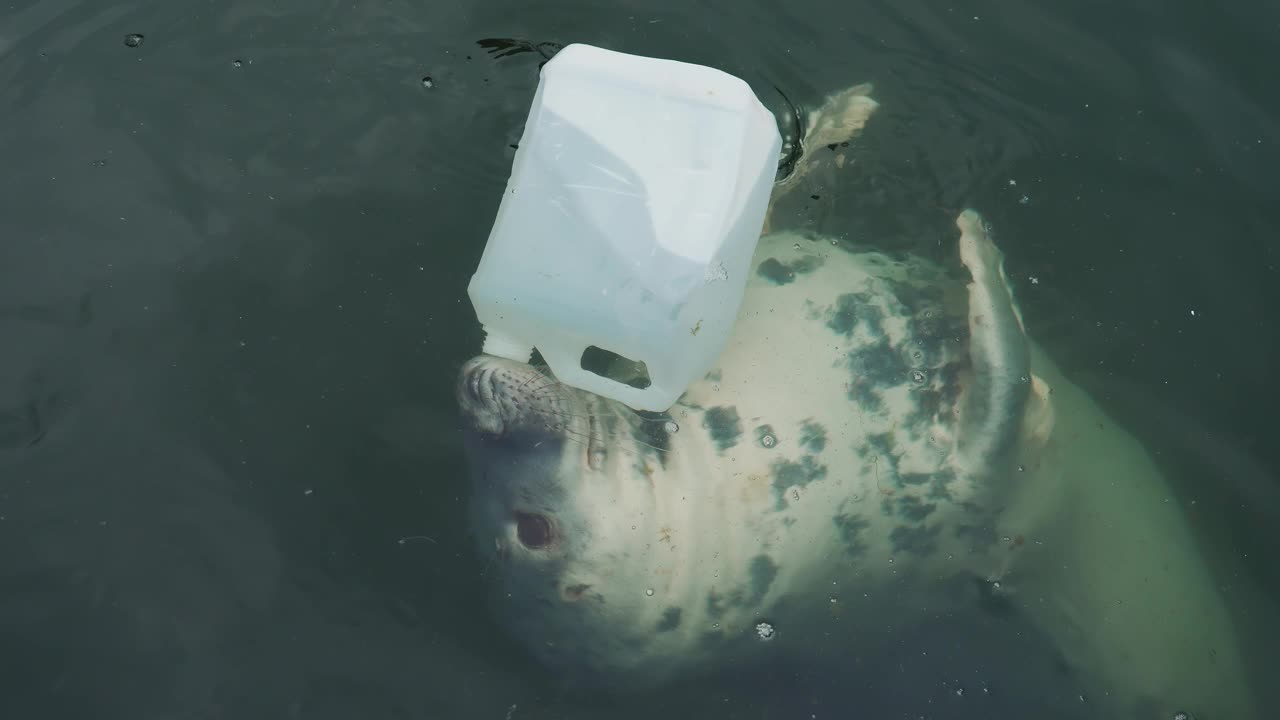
{"points": [[558, 505]]}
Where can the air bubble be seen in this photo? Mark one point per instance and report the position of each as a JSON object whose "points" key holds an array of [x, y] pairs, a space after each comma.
{"points": [[918, 377], [765, 631], [649, 592], [768, 441], [133, 40], [427, 82], [917, 354], [671, 427], [236, 63], [796, 246]]}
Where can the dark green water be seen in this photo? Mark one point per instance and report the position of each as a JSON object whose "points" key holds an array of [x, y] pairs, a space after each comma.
{"points": [[233, 263]]}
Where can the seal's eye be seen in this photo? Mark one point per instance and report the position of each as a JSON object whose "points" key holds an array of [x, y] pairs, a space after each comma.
{"points": [[533, 530]]}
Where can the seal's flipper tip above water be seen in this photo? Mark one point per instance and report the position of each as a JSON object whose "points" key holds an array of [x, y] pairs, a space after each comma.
{"points": [[839, 119], [995, 400]]}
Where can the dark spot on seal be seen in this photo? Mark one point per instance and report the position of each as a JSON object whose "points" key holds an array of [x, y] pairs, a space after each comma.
{"points": [[851, 528], [715, 605], [949, 379], [879, 453], [881, 443], [780, 273], [914, 478], [670, 620], [886, 506], [763, 571], [766, 436], [881, 364], [939, 489], [574, 593], [787, 473], [724, 425], [852, 310], [914, 509], [865, 396], [917, 540], [775, 272], [651, 434], [928, 403], [980, 536], [813, 436]]}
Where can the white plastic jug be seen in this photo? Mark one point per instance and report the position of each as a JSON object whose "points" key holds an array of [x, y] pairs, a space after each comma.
{"points": [[636, 198]]}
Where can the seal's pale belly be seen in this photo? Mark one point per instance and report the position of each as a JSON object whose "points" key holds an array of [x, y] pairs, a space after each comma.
{"points": [[818, 458]]}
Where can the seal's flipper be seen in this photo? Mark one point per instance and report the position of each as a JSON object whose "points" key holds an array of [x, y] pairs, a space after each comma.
{"points": [[841, 117], [991, 412]]}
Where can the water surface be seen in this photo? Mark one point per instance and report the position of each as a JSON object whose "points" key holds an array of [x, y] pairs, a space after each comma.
{"points": [[233, 259]]}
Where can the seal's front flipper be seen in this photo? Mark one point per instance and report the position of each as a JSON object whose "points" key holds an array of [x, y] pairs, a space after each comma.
{"points": [[841, 117], [991, 411]]}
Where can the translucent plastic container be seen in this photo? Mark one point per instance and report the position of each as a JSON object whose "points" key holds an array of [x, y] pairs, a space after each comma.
{"points": [[636, 199]]}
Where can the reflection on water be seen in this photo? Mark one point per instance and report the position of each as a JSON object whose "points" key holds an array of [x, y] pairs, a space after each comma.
{"points": [[232, 307]]}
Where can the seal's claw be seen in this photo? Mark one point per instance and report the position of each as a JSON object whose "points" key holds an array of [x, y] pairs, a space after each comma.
{"points": [[996, 397]]}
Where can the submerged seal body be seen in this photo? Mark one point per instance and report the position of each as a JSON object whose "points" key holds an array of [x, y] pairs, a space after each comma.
{"points": [[878, 439], [823, 456]]}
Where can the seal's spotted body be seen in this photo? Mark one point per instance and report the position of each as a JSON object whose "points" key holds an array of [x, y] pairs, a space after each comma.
{"points": [[821, 450], [872, 445]]}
